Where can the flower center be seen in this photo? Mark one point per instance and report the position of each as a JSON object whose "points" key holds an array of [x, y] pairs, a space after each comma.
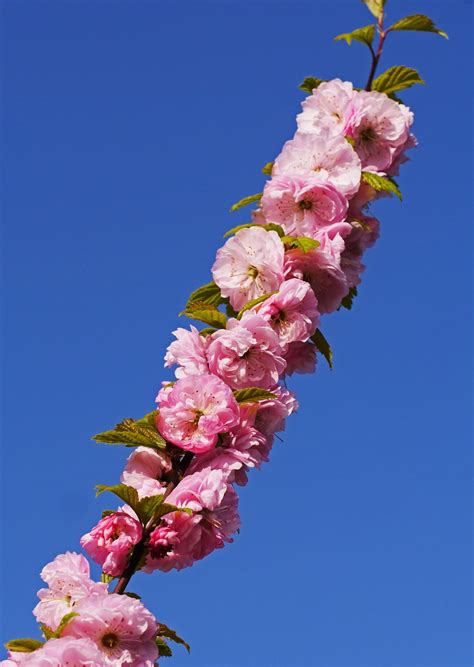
{"points": [[252, 272], [305, 205], [197, 416], [110, 640], [368, 134]]}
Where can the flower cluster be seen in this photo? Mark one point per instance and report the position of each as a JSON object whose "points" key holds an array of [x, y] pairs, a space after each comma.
{"points": [[298, 258]]}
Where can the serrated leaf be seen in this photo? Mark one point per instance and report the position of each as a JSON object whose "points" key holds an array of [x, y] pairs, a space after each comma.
{"points": [[375, 6], [133, 433], [128, 494], [267, 169], [381, 183], [147, 507], [304, 243], [364, 35], [246, 201], [24, 645], [348, 300], [396, 78], [253, 395], [322, 346], [165, 631], [207, 331], [164, 651], [309, 83], [255, 302], [418, 22], [208, 293], [210, 315]]}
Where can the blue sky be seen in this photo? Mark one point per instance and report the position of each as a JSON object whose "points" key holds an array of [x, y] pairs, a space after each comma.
{"points": [[128, 130]]}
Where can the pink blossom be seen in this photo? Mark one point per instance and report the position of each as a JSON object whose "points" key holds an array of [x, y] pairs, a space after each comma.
{"points": [[181, 539], [292, 312], [66, 651], [249, 265], [269, 416], [300, 358], [247, 353], [121, 627], [110, 542], [302, 205], [144, 469], [379, 126], [399, 157], [195, 410], [188, 351], [329, 108], [332, 158], [365, 231], [68, 579]]}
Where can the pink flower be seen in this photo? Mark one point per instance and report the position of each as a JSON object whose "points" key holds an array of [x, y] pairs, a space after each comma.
{"points": [[111, 541], [121, 627], [300, 358], [322, 269], [63, 652], [246, 354], [269, 416], [249, 265], [195, 410], [292, 312], [379, 126], [144, 469], [68, 579], [302, 205], [329, 108], [188, 351], [332, 158], [399, 157], [181, 539]]}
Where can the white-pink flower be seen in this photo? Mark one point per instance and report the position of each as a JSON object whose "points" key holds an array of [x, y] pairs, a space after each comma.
{"points": [[121, 628], [63, 652], [144, 469], [292, 312], [249, 265], [68, 579], [111, 541], [188, 352], [332, 158], [329, 108], [195, 410], [379, 126], [302, 205], [247, 353], [321, 268]]}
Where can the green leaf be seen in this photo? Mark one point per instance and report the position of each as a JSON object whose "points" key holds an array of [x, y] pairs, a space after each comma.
{"points": [[128, 494], [364, 35], [245, 201], [133, 433], [322, 346], [396, 78], [64, 622], [267, 169], [310, 83], [209, 315], [381, 183], [375, 6], [207, 331], [48, 633], [303, 243], [269, 227], [253, 395], [255, 302], [135, 596], [147, 507], [23, 645], [208, 293], [164, 650], [165, 631], [348, 300], [418, 22]]}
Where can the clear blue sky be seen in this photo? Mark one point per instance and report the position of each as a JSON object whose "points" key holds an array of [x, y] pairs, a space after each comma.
{"points": [[129, 129]]}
